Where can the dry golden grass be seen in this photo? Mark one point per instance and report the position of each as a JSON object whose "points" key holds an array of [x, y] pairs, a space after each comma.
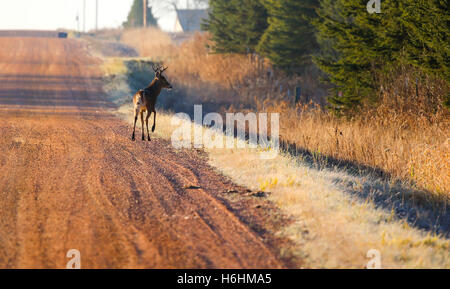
{"points": [[148, 41], [407, 147], [190, 61], [400, 137]]}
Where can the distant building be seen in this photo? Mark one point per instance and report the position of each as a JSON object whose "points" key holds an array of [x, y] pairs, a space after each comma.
{"points": [[189, 20]]}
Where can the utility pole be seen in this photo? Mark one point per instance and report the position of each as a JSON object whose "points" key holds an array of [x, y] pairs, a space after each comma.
{"points": [[96, 15], [145, 13], [84, 15], [78, 22]]}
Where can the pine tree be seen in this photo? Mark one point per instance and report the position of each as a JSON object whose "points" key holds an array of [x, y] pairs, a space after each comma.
{"points": [[289, 40], [427, 23], [361, 44], [357, 46], [236, 25], [136, 16]]}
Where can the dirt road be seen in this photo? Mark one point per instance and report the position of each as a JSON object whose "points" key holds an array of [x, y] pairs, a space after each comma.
{"points": [[70, 178]]}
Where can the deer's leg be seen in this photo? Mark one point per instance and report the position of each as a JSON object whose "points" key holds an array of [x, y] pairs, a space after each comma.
{"points": [[142, 122], [135, 120], [146, 122], [154, 120]]}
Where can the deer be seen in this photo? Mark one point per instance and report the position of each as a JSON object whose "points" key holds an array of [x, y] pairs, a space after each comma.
{"points": [[145, 99]]}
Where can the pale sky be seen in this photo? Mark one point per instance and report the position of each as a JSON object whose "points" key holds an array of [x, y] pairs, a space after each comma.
{"points": [[54, 14]]}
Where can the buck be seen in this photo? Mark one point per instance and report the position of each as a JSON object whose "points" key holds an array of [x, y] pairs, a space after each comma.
{"points": [[145, 99]]}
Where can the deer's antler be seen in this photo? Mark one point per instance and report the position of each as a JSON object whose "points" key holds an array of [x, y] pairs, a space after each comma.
{"points": [[156, 68]]}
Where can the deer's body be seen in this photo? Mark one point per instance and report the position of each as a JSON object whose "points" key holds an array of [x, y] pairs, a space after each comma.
{"points": [[145, 99]]}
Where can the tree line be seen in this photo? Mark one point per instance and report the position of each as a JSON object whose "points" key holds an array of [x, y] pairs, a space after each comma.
{"points": [[351, 46]]}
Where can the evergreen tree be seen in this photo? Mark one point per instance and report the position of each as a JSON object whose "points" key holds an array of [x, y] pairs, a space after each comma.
{"points": [[136, 16], [362, 44], [289, 40], [236, 25], [359, 46], [427, 23]]}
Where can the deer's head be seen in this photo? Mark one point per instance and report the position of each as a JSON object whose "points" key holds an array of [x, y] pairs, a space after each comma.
{"points": [[160, 77]]}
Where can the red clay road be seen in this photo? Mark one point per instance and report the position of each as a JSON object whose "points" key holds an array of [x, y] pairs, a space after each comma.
{"points": [[70, 178]]}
